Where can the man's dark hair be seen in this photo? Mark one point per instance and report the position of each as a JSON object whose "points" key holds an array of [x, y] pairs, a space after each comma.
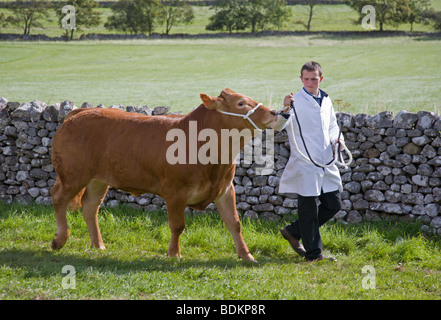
{"points": [[312, 66]]}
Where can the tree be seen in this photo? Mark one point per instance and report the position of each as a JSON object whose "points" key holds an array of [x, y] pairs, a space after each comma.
{"points": [[241, 14], [307, 25], [400, 12], [124, 17], [149, 12], [135, 16], [393, 12], [256, 13], [408, 11], [176, 11], [2, 20], [311, 4], [417, 9], [27, 14], [85, 15], [433, 17], [229, 15], [385, 10], [278, 13]]}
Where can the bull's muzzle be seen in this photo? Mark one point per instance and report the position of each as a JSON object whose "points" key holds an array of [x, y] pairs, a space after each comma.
{"points": [[281, 122]]}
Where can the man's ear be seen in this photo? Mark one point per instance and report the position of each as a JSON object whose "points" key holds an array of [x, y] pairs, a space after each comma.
{"points": [[209, 102]]}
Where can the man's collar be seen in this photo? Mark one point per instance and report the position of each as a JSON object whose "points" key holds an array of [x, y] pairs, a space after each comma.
{"points": [[321, 94]]}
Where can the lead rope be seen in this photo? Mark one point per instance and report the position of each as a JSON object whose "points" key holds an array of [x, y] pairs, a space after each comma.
{"points": [[339, 160]]}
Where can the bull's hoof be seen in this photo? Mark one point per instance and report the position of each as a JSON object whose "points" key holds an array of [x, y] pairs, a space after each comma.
{"points": [[98, 246], [173, 256], [60, 240], [248, 258], [54, 245], [250, 262]]}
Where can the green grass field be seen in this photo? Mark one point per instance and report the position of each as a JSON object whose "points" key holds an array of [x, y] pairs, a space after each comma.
{"points": [[134, 266], [362, 74]]}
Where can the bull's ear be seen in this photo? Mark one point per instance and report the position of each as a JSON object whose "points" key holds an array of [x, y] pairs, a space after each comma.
{"points": [[209, 102], [227, 91]]}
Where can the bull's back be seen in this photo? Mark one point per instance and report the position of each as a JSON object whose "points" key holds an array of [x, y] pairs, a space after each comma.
{"points": [[121, 149]]}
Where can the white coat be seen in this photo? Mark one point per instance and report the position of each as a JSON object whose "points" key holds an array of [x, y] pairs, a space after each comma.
{"points": [[320, 130]]}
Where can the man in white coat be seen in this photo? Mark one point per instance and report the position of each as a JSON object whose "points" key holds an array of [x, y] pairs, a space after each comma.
{"points": [[316, 137]]}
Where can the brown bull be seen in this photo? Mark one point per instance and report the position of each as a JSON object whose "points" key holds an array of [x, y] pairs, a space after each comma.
{"points": [[95, 148]]}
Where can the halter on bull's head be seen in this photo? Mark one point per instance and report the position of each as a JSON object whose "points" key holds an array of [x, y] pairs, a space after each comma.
{"points": [[235, 104]]}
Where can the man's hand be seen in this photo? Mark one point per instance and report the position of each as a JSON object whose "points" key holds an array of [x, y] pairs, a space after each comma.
{"points": [[287, 102], [342, 142]]}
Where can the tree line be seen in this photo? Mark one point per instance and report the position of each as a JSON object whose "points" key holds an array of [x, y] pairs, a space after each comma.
{"points": [[145, 16], [133, 16], [396, 12]]}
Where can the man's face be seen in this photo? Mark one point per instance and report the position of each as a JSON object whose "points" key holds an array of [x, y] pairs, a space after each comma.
{"points": [[311, 80]]}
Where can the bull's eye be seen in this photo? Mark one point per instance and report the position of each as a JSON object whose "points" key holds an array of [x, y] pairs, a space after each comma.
{"points": [[241, 104]]}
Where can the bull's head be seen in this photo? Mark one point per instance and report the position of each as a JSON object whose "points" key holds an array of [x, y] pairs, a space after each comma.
{"points": [[232, 103]]}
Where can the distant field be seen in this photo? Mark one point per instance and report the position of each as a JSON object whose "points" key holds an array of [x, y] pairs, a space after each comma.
{"points": [[362, 74], [326, 18]]}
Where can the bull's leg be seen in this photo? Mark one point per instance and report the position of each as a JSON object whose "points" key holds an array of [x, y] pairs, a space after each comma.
{"points": [[61, 196], [226, 206], [75, 203], [176, 222], [91, 201]]}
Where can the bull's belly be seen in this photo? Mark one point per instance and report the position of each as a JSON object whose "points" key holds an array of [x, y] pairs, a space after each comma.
{"points": [[200, 198], [134, 184], [196, 191]]}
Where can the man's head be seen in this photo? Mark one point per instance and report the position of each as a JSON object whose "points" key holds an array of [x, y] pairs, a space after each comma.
{"points": [[311, 76]]}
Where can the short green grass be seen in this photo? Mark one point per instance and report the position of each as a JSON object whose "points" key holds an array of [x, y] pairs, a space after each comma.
{"points": [[362, 74], [407, 265]]}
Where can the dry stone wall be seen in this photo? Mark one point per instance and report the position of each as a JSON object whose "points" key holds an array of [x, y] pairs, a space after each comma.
{"points": [[396, 172]]}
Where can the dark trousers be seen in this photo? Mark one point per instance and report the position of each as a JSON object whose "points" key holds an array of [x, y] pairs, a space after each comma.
{"points": [[311, 217]]}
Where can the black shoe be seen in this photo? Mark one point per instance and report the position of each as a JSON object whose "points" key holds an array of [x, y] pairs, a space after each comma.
{"points": [[323, 258], [295, 244]]}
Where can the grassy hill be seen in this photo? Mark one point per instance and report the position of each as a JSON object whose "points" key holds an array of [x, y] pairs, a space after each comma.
{"points": [[326, 18], [362, 74]]}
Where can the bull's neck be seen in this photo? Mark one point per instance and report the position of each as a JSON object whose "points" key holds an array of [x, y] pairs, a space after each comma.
{"points": [[224, 126], [209, 118]]}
